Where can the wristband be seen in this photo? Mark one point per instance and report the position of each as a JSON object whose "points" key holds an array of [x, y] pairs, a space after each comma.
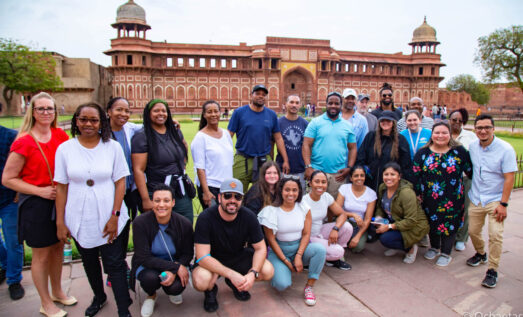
{"points": [[503, 204], [208, 254]]}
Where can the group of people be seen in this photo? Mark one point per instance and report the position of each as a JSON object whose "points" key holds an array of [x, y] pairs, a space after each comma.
{"points": [[344, 179]]}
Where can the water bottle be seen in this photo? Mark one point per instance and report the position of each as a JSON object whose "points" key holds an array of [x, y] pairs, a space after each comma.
{"points": [[68, 252], [163, 276], [380, 220]]}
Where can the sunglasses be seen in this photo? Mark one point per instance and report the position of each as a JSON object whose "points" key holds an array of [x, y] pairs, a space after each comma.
{"points": [[237, 196], [85, 120], [456, 120], [386, 95]]}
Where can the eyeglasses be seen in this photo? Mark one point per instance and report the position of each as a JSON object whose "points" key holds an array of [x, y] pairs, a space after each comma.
{"points": [[41, 110], [456, 120], [236, 196], [484, 128], [386, 95], [91, 120]]}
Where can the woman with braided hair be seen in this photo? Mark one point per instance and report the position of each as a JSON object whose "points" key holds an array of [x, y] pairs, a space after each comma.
{"points": [[159, 155]]}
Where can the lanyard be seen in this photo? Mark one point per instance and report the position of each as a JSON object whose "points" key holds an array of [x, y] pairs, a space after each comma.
{"points": [[414, 146]]}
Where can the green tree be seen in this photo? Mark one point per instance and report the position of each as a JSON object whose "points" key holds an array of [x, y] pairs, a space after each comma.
{"points": [[478, 92], [501, 55], [24, 70]]}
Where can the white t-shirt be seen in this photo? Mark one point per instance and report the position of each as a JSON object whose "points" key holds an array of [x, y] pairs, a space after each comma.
{"points": [[88, 208], [213, 155], [318, 210], [357, 205], [286, 225]]}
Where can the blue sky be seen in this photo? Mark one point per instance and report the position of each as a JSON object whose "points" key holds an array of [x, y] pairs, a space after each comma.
{"points": [[82, 28]]}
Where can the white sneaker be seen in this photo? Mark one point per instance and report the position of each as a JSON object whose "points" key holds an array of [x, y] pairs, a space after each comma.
{"points": [[460, 246], [176, 299], [410, 257], [390, 252], [443, 260], [148, 307]]}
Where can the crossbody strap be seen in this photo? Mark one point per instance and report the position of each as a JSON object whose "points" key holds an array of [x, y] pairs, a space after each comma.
{"points": [[165, 245], [43, 154]]}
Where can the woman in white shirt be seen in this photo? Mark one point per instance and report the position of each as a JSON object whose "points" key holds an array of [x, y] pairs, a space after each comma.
{"points": [[458, 119], [332, 235], [287, 227], [90, 171], [212, 153], [359, 202]]}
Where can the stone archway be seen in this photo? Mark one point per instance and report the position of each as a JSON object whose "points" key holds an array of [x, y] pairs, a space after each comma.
{"points": [[299, 81]]}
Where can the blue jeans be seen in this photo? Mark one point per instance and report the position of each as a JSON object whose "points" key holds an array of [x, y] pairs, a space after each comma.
{"points": [[11, 252], [392, 239], [314, 257]]}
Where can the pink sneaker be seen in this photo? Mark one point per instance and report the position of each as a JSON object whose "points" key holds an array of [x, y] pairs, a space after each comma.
{"points": [[308, 294]]}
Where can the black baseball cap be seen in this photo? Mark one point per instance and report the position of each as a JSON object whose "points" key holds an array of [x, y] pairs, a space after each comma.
{"points": [[260, 87]]}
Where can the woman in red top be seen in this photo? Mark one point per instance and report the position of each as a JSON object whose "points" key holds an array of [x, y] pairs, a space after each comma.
{"points": [[28, 172]]}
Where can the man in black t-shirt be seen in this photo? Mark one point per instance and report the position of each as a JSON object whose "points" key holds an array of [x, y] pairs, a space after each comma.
{"points": [[229, 243]]}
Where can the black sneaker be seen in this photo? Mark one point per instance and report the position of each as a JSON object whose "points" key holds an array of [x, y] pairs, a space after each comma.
{"points": [[16, 291], [477, 259], [2, 275], [95, 306], [210, 303], [241, 296], [490, 279], [342, 265]]}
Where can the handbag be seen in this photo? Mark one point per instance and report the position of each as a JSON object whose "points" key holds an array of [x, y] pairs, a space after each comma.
{"points": [[190, 189]]}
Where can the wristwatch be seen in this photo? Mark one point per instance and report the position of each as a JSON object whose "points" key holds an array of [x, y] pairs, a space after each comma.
{"points": [[116, 213], [390, 226], [256, 274], [336, 228], [503, 204], [308, 165]]}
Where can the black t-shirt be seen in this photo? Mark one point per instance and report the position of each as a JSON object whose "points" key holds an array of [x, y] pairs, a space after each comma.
{"points": [[164, 160], [227, 238]]}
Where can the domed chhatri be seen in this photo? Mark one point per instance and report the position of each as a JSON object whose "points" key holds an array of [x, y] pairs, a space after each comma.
{"points": [[130, 12], [424, 39], [424, 33]]}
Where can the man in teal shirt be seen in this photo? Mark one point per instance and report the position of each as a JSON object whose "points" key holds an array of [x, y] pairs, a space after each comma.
{"points": [[328, 142]]}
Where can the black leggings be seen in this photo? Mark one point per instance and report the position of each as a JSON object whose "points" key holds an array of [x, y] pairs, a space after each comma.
{"points": [[444, 242], [150, 282]]}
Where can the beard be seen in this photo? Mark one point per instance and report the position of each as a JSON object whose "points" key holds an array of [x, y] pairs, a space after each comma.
{"points": [[230, 208], [334, 114], [386, 102]]}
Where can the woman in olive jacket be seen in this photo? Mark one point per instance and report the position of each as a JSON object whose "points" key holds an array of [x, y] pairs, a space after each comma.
{"points": [[397, 204]]}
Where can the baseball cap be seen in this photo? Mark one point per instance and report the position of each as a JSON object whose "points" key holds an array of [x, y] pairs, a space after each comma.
{"points": [[349, 92], [260, 87], [363, 96], [387, 115], [231, 185]]}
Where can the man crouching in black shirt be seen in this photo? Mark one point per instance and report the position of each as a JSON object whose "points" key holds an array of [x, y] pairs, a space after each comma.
{"points": [[223, 236]]}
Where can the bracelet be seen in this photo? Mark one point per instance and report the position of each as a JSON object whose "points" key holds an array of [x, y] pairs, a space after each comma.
{"points": [[208, 254], [298, 253]]}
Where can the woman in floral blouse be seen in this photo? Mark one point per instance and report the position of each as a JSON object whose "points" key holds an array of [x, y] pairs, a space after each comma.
{"points": [[439, 168]]}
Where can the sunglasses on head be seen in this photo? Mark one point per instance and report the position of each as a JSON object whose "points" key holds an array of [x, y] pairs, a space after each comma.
{"points": [[295, 177], [230, 195]]}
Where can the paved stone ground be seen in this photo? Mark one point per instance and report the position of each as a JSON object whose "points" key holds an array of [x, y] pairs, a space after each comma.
{"points": [[376, 286]]}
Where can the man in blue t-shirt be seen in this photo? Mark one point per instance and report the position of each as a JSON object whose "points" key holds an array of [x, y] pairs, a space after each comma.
{"points": [[292, 128], [329, 143], [255, 126]]}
